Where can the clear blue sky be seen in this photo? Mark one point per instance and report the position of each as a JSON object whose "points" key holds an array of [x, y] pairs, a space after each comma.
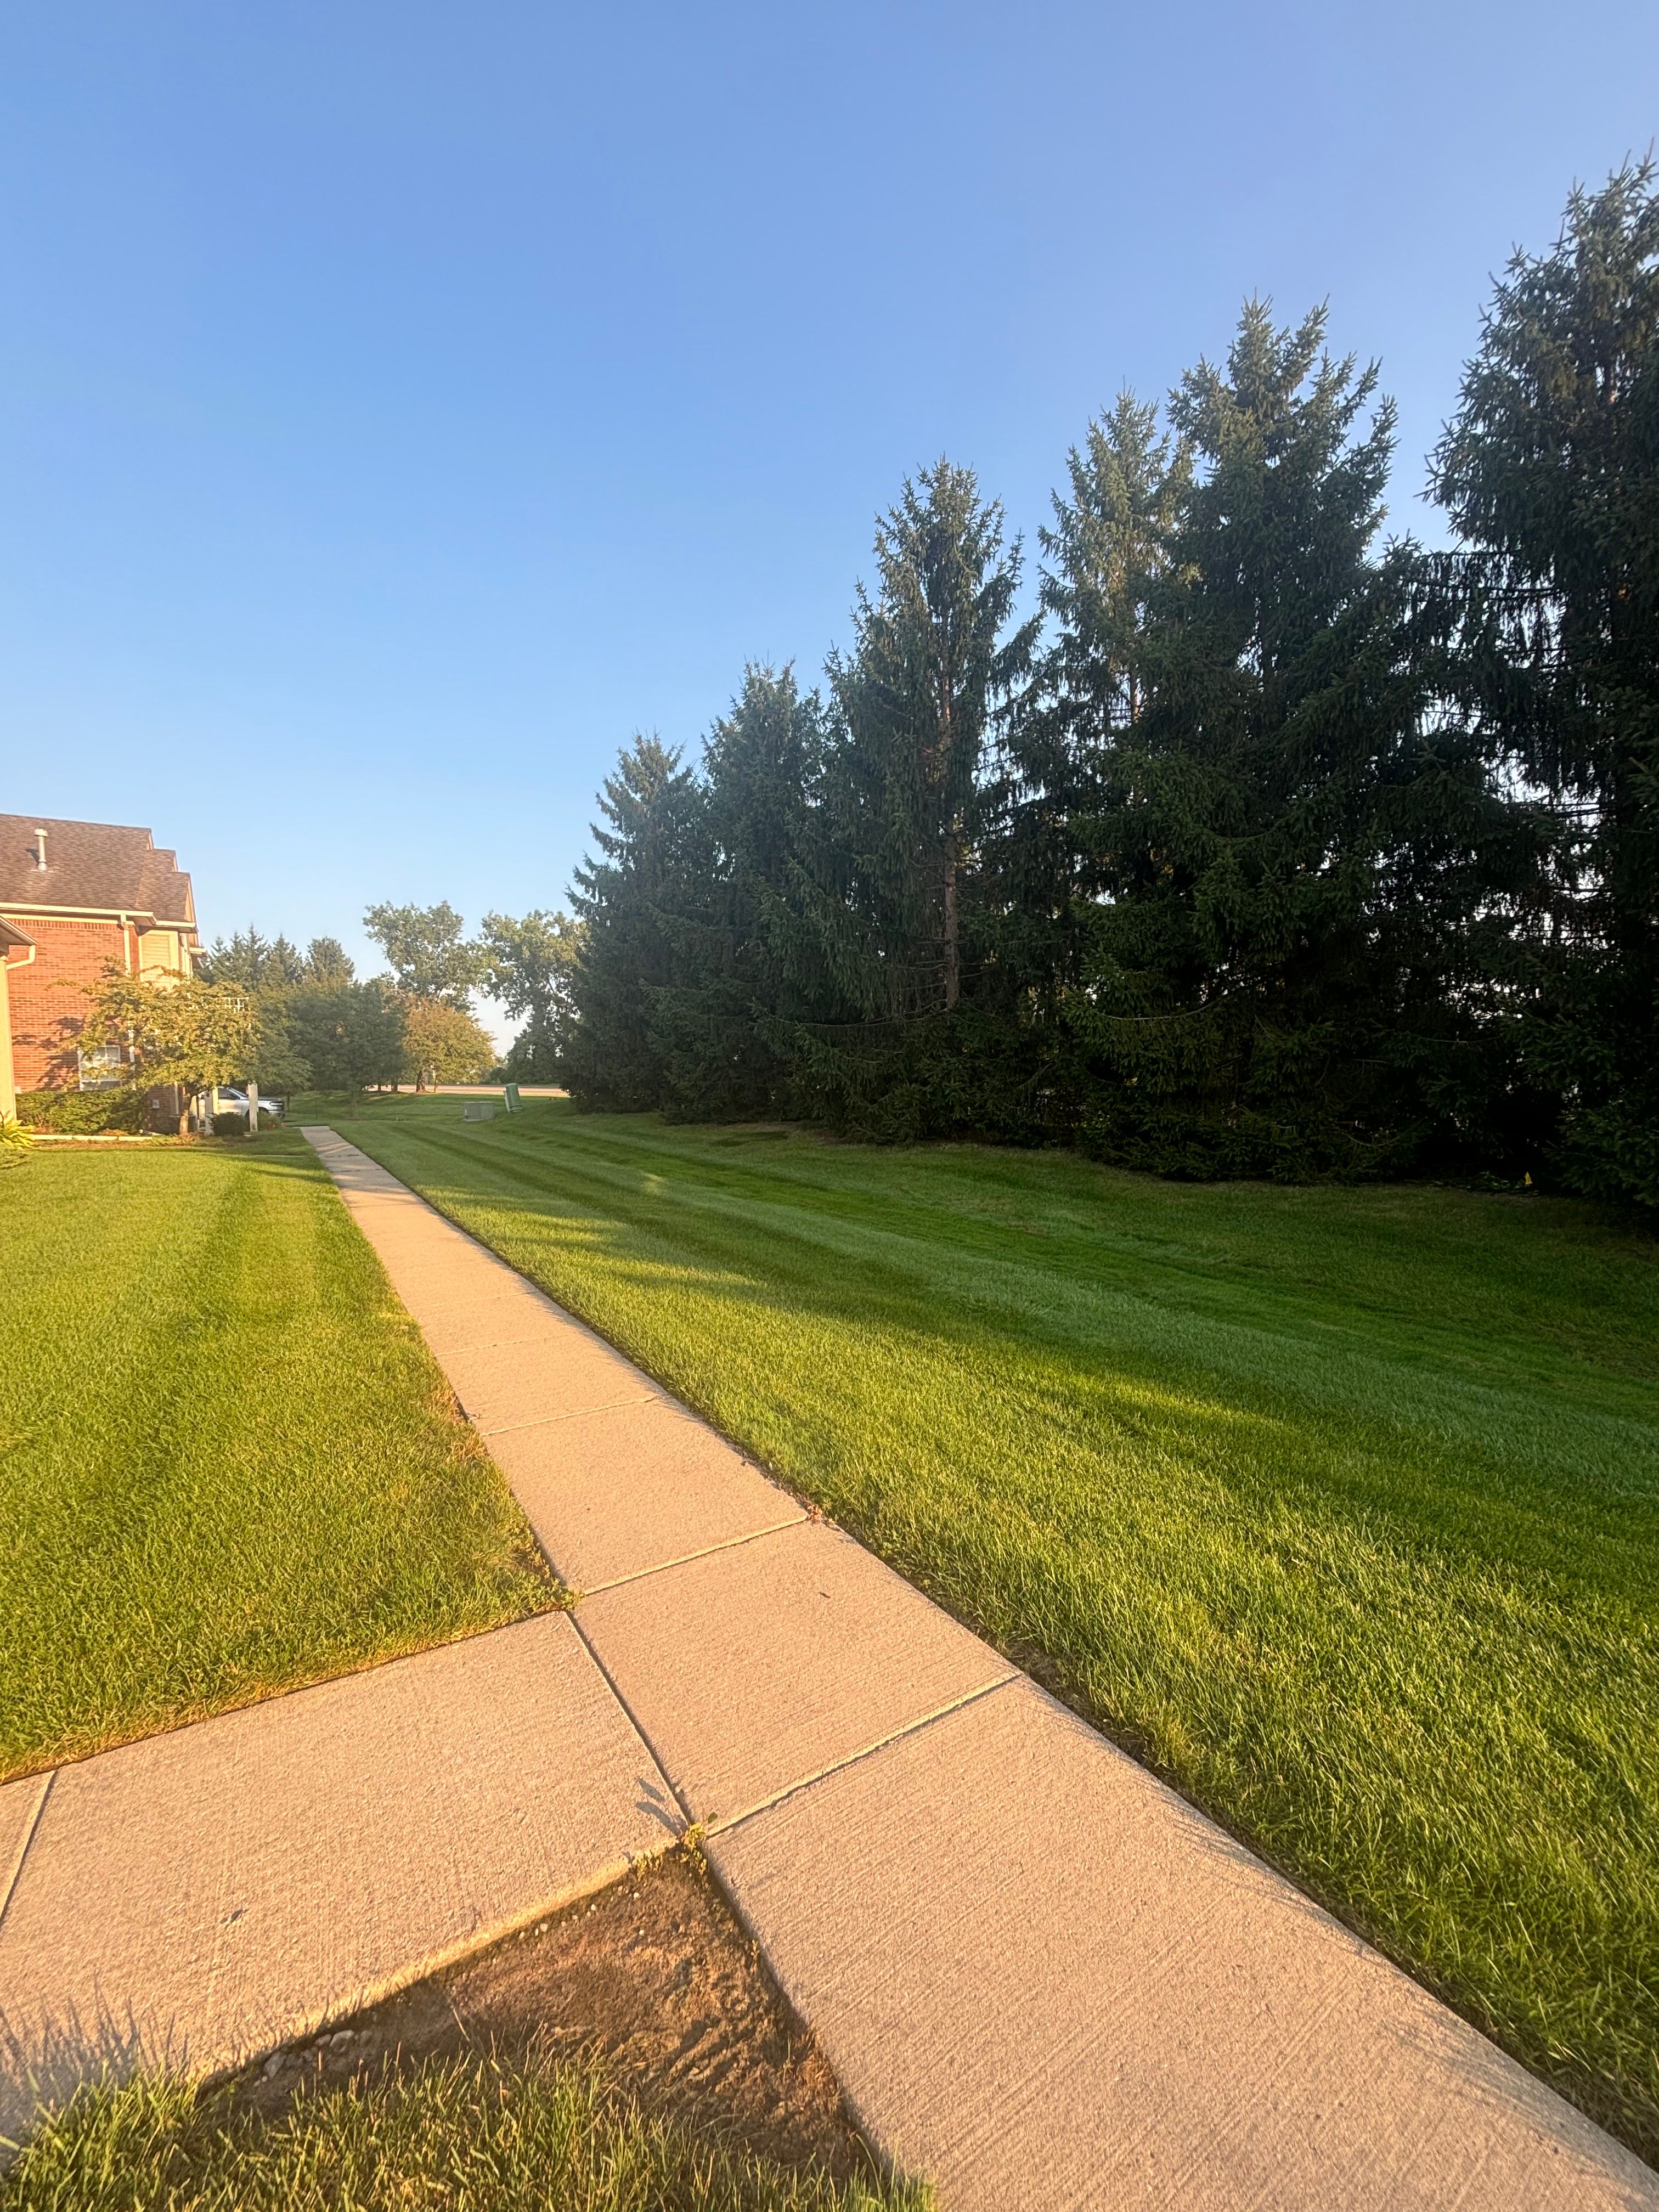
{"points": [[403, 403]]}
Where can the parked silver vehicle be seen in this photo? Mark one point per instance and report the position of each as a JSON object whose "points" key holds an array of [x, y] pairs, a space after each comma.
{"points": [[225, 1098]]}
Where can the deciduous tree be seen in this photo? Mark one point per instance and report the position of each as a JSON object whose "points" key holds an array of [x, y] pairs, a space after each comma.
{"points": [[442, 1044], [530, 968], [181, 1031], [429, 957]]}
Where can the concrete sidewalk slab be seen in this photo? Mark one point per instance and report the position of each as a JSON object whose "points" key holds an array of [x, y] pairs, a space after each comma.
{"points": [[492, 1322], [552, 1372], [431, 1279], [616, 1494], [400, 1225], [350, 1166], [753, 1669], [1045, 1980], [434, 1263], [500, 1312], [203, 1895], [427, 1271], [511, 1354], [1042, 1978]]}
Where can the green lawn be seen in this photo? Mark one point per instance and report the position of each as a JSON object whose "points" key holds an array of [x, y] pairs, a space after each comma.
{"points": [[228, 1464], [1340, 1506], [478, 2135]]}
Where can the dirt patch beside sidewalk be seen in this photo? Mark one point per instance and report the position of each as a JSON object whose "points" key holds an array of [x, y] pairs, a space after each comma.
{"points": [[653, 1974]]}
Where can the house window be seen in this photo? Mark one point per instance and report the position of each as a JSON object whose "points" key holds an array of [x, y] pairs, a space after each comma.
{"points": [[100, 1068], [158, 952]]}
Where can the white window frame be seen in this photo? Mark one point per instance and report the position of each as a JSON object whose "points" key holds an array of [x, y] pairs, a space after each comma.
{"points": [[100, 1068]]}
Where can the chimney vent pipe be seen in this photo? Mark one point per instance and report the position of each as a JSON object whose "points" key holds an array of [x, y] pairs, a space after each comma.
{"points": [[39, 848]]}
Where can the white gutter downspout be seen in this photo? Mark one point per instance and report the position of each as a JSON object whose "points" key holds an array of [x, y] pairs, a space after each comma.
{"points": [[8, 1088]]}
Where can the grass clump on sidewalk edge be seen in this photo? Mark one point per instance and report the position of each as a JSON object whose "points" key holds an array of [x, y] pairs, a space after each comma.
{"points": [[480, 2133]]}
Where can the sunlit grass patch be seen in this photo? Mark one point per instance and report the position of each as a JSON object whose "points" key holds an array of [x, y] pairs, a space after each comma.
{"points": [[227, 1463], [1340, 1506], [481, 2133]]}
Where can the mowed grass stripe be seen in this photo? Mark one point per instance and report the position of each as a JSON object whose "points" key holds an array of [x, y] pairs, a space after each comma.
{"points": [[227, 1463], [1341, 1507]]}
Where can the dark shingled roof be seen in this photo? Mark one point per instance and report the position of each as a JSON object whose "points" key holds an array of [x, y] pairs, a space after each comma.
{"points": [[97, 866]]}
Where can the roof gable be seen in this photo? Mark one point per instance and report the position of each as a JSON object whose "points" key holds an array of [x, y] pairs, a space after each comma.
{"points": [[98, 868]]}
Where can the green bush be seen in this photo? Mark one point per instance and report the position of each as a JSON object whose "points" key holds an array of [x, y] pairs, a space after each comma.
{"points": [[233, 1124], [84, 1112], [13, 1141]]}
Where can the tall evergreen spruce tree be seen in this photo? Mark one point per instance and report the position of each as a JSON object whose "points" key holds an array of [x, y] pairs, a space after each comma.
{"points": [[1550, 471], [1108, 549], [749, 970], [886, 903], [1258, 989], [628, 896], [1046, 872], [1289, 855], [259, 963]]}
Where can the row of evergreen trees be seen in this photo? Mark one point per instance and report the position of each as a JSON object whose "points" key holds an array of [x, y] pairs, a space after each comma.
{"points": [[1263, 847]]}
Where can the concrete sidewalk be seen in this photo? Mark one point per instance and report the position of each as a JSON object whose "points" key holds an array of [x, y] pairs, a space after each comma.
{"points": [[202, 1896], [1042, 1978]]}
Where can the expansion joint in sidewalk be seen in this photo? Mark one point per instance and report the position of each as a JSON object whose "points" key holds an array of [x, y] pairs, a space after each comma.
{"points": [[9, 1881], [724, 1826], [706, 1552], [638, 1725], [580, 1413]]}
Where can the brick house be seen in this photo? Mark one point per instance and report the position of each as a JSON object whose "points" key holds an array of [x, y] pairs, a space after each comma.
{"points": [[75, 896]]}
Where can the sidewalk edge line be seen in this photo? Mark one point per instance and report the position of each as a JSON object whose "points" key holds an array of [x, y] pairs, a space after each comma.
{"points": [[14, 1872]]}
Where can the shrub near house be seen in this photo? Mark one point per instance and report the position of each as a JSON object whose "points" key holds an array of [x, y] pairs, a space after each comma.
{"points": [[84, 1113]]}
